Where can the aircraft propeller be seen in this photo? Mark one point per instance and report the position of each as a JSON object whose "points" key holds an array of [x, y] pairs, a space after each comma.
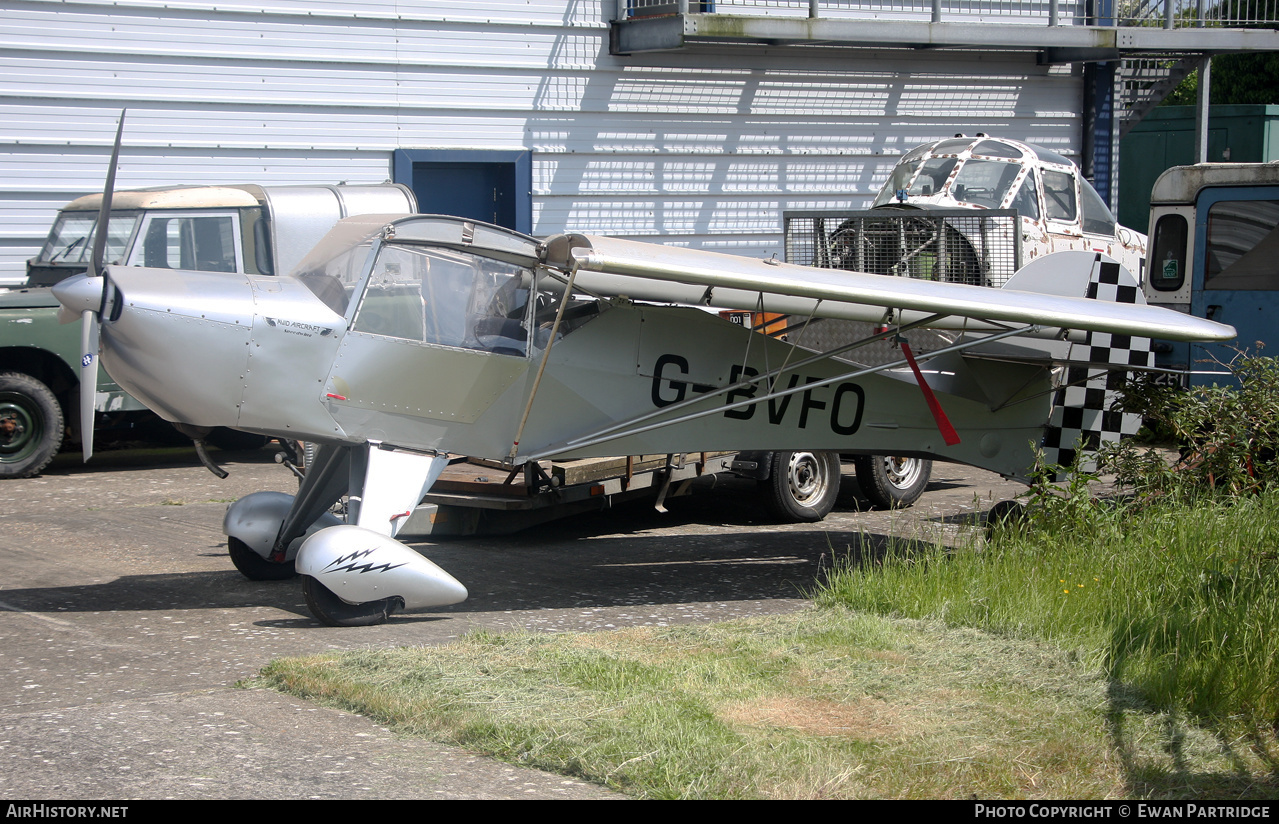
{"points": [[89, 293]]}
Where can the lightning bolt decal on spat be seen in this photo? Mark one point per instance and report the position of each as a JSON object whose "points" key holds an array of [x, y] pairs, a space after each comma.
{"points": [[347, 563]]}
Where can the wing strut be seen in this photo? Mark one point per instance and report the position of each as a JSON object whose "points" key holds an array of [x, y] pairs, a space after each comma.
{"points": [[628, 428], [546, 356], [948, 433]]}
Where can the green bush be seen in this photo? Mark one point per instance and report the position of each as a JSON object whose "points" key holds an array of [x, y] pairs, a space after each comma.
{"points": [[1228, 436]]}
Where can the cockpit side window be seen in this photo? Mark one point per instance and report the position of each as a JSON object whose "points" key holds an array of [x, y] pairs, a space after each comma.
{"points": [[447, 298], [901, 175], [1026, 201], [1097, 217], [984, 182], [333, 279], [1059, 196]]}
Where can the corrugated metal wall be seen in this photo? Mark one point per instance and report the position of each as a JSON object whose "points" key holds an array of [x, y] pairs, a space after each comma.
{"points": [[704, 148]]}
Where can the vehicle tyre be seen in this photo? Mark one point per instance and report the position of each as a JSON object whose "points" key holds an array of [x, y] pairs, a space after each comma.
{"points": [[31, 425], [254, 567], [890, 483], [802, 486], [233, 439], [334, 612]]}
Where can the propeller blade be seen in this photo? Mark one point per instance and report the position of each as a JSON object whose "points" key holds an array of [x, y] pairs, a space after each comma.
{"points": [[89, 333], [91, 329], [96, 261]]}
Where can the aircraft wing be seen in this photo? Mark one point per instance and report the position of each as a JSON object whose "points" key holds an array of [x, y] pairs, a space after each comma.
{"points": [[645, 271]]}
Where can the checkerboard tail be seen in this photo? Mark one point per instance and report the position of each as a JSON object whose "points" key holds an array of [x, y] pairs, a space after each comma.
{"points": [[1082, 418]]}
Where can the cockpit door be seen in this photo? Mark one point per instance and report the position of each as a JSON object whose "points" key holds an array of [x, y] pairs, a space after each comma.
{"points": [[439, 342]]}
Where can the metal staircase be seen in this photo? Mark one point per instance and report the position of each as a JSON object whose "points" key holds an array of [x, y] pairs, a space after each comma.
{"points": [[1143, 84]]}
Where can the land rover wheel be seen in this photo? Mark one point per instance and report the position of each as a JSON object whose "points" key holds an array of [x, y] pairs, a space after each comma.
{"points": [[802, 486], [889, 482], [31, 425]]}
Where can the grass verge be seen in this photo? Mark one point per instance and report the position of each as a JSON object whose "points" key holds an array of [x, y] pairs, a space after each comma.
{"points": [[1107, 650], [827, 703], [1177, 601]]}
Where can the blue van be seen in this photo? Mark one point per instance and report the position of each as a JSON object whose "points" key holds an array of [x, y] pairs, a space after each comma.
{"points": [[1214, 253]]}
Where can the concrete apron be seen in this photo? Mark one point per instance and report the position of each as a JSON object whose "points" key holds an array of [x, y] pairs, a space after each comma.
{"points": [[124, 626]]}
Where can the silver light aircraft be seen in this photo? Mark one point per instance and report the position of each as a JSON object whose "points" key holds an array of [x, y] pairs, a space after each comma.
{"points": [[398, 341]]}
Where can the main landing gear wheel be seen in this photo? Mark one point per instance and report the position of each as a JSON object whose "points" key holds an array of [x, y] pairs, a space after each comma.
{"points": [[31, 425], [803, 486], [334, 612], [254, 567], [890, 483]]}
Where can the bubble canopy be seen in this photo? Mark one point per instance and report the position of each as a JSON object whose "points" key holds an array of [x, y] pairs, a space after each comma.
{"points": [[997, 173]]}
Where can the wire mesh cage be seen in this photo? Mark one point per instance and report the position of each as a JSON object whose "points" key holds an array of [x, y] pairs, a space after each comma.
{"points": [[977, 247]]}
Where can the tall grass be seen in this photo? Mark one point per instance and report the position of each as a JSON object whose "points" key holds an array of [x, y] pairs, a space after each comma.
{"points": [[1178, 600]]}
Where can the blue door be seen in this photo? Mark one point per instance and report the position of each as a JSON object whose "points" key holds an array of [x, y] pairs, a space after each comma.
{"points": [[489, 186], [1236, 273]]}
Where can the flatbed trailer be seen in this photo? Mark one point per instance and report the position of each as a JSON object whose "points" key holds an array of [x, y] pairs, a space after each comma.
{"points": [[473, 497], [479, 497]]}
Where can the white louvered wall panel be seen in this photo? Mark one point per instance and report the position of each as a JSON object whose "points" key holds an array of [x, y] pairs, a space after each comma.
{"points": [[703, 148]]}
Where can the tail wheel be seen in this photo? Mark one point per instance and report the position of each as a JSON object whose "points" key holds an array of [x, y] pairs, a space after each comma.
{"points": [[31, 425], [1005, 514], [802, 486], [332, 611], [889, 482]]}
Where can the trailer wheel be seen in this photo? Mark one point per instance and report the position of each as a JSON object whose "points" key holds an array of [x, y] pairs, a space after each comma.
{"points": [[332, 611], [253, 566], [31, 425], [802, 486], [890, 483]]}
